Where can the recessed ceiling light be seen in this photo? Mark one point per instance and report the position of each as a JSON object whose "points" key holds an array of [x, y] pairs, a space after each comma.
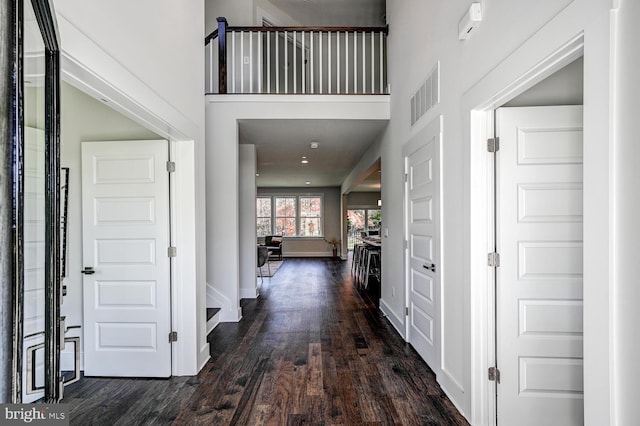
{"points": [[313, 145], [304, 161], [308, 182], [257, 174]]}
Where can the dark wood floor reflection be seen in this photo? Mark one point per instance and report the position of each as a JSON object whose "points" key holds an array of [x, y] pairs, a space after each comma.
{"points": [[312, 349]]}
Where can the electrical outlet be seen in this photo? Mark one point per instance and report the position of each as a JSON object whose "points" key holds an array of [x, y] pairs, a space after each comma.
{"points": [[246, 60], [393, 292]]}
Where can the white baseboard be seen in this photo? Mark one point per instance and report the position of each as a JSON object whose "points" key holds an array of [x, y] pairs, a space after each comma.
{"points": [[249, 293], [228, 312], [213, 322], [308, 254], [204, 357], [396, 321], [230, 315]]}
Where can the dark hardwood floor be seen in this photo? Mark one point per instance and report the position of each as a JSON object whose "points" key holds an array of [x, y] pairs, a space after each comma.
{"points": [[312, 349]]}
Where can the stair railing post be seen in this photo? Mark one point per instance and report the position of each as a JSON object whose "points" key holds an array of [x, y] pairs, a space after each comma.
{"points": [[222, 55]]}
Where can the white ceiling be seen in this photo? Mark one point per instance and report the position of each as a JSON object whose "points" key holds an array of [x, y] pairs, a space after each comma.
{"points": [[363, 13], [281, 144]]}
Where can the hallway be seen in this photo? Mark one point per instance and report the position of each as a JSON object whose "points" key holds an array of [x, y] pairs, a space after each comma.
{"points": [[310, 350]]}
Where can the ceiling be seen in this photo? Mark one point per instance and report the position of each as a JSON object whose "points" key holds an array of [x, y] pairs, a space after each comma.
{"points": [[349, 13], [281, 144]]}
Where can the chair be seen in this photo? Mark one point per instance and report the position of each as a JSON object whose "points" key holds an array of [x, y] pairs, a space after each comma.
{"points": [[274, 244], [263, 257]]}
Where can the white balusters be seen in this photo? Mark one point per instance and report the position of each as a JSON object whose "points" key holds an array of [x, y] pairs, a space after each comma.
{"points": [[268, 62], [259, 61], [304, 65], [381, 62], [346, 62], [355, 62], [241, 61], [233, 63], [320, 41], [364, 70], [373, 67], [312, 68], [277, 63], [301, 62]]}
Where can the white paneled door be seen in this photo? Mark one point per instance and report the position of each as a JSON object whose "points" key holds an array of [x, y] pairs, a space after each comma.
{"points": [[539, 280], [125, 210], [422, 234]]}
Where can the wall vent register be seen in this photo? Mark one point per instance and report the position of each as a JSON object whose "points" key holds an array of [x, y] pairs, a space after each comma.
{"points": [[427, 96]]}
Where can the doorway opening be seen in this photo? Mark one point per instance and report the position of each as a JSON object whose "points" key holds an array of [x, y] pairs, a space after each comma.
{"points": [[533, 87]]}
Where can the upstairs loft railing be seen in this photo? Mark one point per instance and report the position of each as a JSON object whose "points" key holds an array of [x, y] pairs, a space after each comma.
{"points": [[296, 60]]}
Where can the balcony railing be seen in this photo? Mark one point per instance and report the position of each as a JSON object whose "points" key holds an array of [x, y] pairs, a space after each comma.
{"points": [[296, 60]]}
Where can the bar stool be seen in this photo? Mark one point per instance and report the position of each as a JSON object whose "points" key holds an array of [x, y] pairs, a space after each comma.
{"points": [[373, 265], [362, 264], [358, 256]]}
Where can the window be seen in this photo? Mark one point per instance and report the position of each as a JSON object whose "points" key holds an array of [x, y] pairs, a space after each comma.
{"points": [[362, 220], [310, 215], [289, 215], [285, 216], [263, 214]]}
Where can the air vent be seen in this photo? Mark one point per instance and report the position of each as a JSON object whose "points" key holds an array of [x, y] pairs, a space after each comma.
{"points": [[427, 96]]}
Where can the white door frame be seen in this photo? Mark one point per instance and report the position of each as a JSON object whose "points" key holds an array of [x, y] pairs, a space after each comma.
{"points": [[482, 231], [573, 32], [561, 41]]}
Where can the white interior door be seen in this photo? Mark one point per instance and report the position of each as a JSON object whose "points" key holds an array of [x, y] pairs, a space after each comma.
{"points": [[539, 281], [125, 210], [422, 253]]}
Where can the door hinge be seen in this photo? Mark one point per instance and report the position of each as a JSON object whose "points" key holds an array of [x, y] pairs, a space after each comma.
{"points": [[173, 336], [171, 166], [493, 259], [172, 251], [405, 244], [406, 311], [494, 374], [406, 177], [493, 144]]}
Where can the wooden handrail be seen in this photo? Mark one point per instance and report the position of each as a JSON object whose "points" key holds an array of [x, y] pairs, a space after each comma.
{"points": [[385, 30], [211, 36], [214, 33]]}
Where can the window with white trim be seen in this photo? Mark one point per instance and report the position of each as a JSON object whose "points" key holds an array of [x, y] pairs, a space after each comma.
{"points": [[289, 215]]}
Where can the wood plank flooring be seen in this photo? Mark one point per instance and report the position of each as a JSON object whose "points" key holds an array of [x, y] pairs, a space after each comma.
{"points": [[312, 349]]}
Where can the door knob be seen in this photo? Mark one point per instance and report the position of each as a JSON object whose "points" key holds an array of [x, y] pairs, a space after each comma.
{"points": [[88, 270], [431, 267]]}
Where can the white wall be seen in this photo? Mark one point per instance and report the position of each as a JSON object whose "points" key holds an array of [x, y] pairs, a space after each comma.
{"points": [[147, 59], [627, 227], [244, 13], [420, 36], [247, 158], [84, 119]]}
